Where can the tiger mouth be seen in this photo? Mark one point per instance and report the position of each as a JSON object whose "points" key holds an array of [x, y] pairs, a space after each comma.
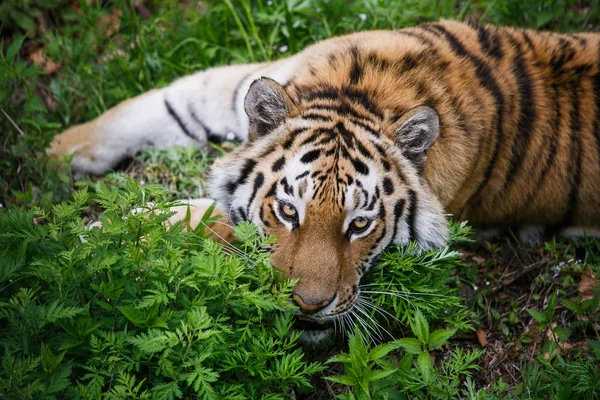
{"points": [[305, 323]]}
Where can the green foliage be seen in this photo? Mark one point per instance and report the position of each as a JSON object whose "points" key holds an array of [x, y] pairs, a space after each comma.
{"points": [[133, 309], [378, 373], [407, 279], [24, 15], [544, 319], [180, 170], [26, 134]]}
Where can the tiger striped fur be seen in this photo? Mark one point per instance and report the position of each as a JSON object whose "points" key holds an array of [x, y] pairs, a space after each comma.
{"points": [[370, 139]]}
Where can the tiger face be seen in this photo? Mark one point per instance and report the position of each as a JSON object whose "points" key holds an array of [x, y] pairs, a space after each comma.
{"points": [[334, 190]]}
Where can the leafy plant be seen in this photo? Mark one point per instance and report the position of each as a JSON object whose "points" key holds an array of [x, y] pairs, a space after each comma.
{"points": [[378, 373], [131, 308]]}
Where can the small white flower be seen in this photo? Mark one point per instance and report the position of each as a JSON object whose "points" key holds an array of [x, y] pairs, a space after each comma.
{"points": [[475, 287], [269, 3], [283, 49], [487, 283], [1, 206], [362, 16], [142, 182]]}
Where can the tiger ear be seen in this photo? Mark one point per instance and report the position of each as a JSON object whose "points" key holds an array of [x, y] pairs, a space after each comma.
{"points": [[416, 132], [267, 105]]}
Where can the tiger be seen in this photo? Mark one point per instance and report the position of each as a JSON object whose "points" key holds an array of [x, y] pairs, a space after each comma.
{"points": [[373, 139]]}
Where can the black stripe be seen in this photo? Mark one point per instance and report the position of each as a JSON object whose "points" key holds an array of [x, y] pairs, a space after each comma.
{"points": [[211, 135], [261, 215], [340, 108], [362, 149], [310, 156], [356, 72], [373, 200], [292, 137], [359, 166], [382, 157], [375, 61], [363, 98], [412, 215], [242, 214], [366, 127], [351, 93], [383, 231], [230, 187], [487, 80], [490, 43], [483, 37], [179, 121], [272, 191], [302, 175], [258, 182], [398, 211], [561, 56], [527, 117], [316, 134], [527, 39], [553, 143], [278, 165], [287, 188], [576, 167], [315, 116], [412, 33], [246, 171], [388, 186]]}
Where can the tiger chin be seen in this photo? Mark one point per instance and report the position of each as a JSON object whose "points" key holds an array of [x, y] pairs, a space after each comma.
{"points": [[368, 140]]}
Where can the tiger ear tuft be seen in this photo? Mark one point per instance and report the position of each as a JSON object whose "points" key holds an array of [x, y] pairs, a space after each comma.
{"points": [[416, 132], [267, 105]]}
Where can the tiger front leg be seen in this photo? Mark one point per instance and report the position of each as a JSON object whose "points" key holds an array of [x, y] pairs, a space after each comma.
{"points": [[190, 110]]}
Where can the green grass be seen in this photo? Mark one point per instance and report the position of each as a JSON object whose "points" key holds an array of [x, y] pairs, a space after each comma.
{"points": [[80, 318]]}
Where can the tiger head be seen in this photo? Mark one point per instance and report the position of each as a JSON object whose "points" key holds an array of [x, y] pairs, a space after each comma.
{"points": [[335, 186]]}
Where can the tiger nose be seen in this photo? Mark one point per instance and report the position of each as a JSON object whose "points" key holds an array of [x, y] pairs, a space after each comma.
{"points": [[307, 307]]}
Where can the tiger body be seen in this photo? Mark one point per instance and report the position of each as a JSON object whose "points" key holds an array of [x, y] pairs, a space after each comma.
{"points": [[370, 139]]}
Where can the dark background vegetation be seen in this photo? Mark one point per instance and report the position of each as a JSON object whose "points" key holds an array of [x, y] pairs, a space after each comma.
{"points": [[532, 308]]}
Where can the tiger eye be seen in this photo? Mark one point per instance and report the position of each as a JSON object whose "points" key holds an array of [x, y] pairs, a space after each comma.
{"points": [[360, 223], [288, 210]]}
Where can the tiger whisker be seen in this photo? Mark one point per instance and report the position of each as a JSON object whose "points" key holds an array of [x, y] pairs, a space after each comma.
{"points": [[378, 309], [348, 320], [231, 246], [368, 305], [391, 294], [223, 223], [377, 326], [359, 320], [232, 252], [403, 292]]}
